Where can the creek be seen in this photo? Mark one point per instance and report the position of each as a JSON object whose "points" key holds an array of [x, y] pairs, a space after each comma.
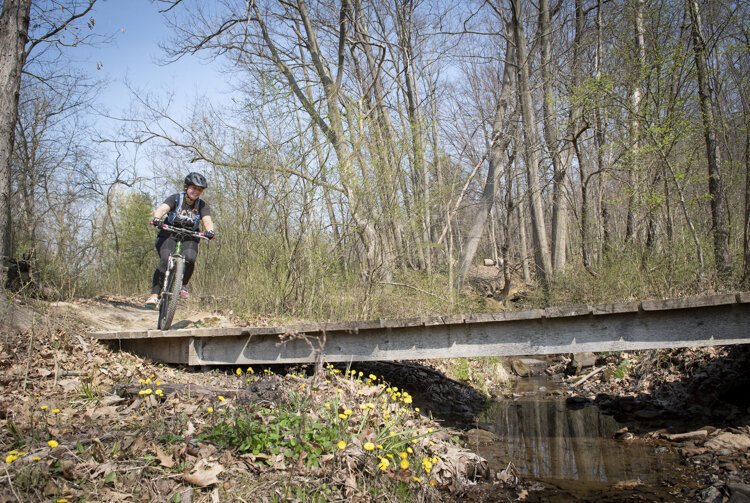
{"points": [[576, 451]]}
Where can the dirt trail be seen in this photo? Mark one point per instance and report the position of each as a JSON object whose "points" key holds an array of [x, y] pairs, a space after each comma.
{"points": [[115, 314]]}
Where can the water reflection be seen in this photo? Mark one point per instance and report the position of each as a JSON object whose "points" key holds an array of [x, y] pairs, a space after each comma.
{"points": [[545, 439]]}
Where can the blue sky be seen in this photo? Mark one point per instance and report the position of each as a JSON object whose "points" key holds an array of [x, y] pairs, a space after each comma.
{"points": [[132, 56]]}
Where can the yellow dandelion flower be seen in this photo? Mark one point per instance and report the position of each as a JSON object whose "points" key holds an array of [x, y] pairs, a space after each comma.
{"points": [[238, 371], [146, 391], [379, 446], [52, 443], [373, 377], [250, 370], [416, 409], [55, 411], [348, 412], [158, 383], [417, 480], [142, 381], [148, 381], [407, 399], [36, 458], [44, 407], [61, 500], [221, 398], [427, 465], [10, 458], [343, 416], [159, 392], [210, 409], [410, 450], [404, 464], [327, 405], [360, 374], [384, 463], [341, 445], [369, 446], [403, 455]]}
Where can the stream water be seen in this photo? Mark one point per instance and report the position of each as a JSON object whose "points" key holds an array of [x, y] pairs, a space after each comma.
{"points": [[573, 448]]}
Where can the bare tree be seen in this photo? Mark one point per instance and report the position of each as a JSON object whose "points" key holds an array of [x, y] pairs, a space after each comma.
{"points": [[498, 160], [52, 22], [14, 27], [715, 182], [541, 243]]}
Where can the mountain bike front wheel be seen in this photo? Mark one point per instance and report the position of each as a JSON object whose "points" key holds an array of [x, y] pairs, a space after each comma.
{"points": [[171, 294]]}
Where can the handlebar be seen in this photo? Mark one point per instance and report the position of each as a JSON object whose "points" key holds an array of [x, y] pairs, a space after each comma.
{"points": [[180, 232]]}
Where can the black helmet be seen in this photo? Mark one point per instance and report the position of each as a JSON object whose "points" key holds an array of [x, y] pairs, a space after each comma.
{"points": [[196, 179]]}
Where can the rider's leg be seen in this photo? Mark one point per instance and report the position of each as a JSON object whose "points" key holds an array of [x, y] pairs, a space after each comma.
{"points": [[190, 252], [164, 247]]}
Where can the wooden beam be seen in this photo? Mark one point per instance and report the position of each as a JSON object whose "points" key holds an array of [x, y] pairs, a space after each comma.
{"points": [[703, 321]]}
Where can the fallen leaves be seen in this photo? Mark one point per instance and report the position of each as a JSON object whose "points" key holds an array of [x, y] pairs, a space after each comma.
{"points": [[204, 474]]}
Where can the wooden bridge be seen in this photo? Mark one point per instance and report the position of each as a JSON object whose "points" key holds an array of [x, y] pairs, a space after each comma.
{"points": [[686, 322]]}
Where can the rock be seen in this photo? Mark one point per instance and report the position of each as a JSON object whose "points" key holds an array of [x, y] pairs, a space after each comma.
{"points": [[739, 498], [738, 488], [730, 441], [520, 368], [711, 495], [533, 362], [581, 361], [478, 436], [681, 437], [689, 452]]}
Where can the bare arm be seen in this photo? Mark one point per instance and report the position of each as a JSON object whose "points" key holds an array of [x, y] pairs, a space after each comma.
{"points": [[162, 210], [208, 223]]}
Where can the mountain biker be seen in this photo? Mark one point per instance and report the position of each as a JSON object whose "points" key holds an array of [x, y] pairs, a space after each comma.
{"points": [[186, 210]]}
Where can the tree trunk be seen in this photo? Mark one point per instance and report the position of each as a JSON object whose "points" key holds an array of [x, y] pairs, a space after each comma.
{"points": [[715, 185], [636, 97], [559, 166], [746, 243], [14, 27], [542, 257], [600, 138], [497, 157], [404, 14]]}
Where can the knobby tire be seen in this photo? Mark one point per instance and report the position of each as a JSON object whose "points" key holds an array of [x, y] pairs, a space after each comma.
{"points": [[171, 296]]}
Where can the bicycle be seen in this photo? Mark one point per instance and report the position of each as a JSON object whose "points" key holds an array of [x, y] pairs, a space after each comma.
{"points": [[170, 292]]}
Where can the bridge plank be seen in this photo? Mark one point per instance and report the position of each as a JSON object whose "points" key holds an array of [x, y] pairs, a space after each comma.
{"points": [[689, 302], [714, 325], [402, 322], [717, 320], [619, 307], [564, 312]]}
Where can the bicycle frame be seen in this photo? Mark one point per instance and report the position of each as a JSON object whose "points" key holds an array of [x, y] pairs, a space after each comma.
{"points": [[173, 276]]}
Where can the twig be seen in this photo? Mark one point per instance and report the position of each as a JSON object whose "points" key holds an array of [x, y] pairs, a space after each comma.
{"points": [[10, 483], [586, 377], [413, 288]]}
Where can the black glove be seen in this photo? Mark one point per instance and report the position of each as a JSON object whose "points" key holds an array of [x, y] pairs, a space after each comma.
{"points": [[209, 235], [156, 222]]}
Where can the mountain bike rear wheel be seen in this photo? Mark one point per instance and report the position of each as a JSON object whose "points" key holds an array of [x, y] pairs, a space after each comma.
{"points": [[171, 295]]}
